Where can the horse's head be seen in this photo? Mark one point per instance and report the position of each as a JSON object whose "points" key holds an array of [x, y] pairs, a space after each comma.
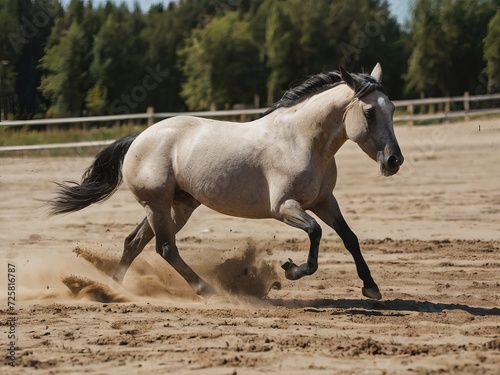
{"points": [[368, 120]]}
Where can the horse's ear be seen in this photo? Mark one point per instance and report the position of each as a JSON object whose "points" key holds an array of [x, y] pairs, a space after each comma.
{"points": [[377, 73], [347, 78]]}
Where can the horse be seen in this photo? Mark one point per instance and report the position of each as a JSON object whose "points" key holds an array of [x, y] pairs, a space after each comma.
{"points": [[278, 166]]}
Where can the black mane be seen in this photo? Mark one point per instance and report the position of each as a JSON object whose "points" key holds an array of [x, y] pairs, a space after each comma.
{"points": [[365, 84]]}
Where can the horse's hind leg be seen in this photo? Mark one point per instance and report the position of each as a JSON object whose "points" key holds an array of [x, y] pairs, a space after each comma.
{"points": [[182, 208], [134, 244], [160, 218]]}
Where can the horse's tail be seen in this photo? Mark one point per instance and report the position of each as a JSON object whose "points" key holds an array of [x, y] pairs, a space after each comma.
{"points": [[98, 183]]}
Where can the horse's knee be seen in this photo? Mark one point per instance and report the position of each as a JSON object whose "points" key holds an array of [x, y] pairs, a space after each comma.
{"points": [[162, 251], [168, 252], [128, 241], [133, 245], [142, 234]]}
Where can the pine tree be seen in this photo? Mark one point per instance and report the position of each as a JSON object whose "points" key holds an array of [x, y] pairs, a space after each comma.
{"points": [[492, 53]]}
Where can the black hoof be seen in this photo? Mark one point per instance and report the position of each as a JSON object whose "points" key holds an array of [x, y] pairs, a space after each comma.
{"points": [[373, 293], [288, 264], [290, 269]]}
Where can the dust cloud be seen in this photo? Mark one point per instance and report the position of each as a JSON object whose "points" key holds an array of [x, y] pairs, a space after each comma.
{"points": [[247, 274]]}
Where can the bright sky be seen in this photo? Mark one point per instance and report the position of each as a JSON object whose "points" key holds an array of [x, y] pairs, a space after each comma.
{"points": [[400, 8]]}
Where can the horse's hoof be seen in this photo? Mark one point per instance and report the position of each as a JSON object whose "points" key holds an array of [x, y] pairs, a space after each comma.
{"points": [[290, 268], [373, 293], [288, 264]]}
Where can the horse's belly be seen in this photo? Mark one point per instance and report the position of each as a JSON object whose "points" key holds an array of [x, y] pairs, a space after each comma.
{"points": [[236, 192], [239, 206]]}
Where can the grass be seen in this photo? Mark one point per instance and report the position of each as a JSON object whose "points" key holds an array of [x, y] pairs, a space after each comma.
{"points": [[25, 136]]}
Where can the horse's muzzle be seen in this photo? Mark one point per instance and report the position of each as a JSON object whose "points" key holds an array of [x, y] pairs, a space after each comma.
{"points": [[390, 165]]}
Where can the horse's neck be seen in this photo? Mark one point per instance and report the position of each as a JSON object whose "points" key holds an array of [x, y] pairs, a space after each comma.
{"points": [[319, 120]]}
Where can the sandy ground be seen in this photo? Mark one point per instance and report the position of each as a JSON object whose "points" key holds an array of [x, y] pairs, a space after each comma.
{"points": [[430, 235]]}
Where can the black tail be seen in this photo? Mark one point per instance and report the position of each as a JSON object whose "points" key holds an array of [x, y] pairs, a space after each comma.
{"points": [[99, 181]]}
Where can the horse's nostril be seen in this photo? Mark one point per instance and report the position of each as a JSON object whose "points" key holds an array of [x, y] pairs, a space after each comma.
{"points": [[393, 161]]}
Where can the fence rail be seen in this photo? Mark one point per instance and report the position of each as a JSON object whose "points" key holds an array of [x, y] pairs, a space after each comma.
{"points": [[410, 118], [150, 115]]}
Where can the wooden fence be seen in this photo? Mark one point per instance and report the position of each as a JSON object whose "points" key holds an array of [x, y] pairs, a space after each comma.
{"points": [[464, 106], [417, 110]]}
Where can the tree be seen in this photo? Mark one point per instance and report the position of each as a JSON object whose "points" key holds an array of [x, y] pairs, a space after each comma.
{"points": [[118, 64], [221, 64], [446, 38], [166, 32], [11, 41], [428, 60], [492, 53], [66, 82], [305, 37], [24, 28]]}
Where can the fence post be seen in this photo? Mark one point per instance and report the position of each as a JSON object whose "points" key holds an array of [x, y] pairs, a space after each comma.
{"points": [[409, 110], [150, 112], [466, 106], [447, 110]]}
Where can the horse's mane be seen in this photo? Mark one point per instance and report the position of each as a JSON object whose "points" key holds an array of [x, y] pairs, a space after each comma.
{"points": [[365, 84]]}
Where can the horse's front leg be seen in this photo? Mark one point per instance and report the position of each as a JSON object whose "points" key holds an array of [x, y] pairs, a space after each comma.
{"points": [[291, 213], [329, 212]]}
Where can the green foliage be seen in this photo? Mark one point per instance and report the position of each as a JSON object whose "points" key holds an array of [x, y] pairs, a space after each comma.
{"points": [[166, 32], [62, 134], [445, 38], [10, 32], [118, 61], [221, 64], [492, 52], [191, 54], [305, 37], [66, 81], [24, 28], [11, 39]]}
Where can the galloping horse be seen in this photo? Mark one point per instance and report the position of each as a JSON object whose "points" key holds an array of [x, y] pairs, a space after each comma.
{"points": [[277, 166]]}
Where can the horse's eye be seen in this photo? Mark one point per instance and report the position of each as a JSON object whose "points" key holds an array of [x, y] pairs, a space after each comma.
{"points": [[370, 113]]}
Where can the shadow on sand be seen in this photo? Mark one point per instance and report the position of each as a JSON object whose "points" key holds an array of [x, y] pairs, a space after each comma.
{"points": [[370, 307]]}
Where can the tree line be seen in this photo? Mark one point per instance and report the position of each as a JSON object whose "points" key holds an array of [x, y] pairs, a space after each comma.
{"points": [[200, 54]]}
